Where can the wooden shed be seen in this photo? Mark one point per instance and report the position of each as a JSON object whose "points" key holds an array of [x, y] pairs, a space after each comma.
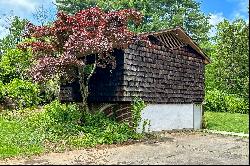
{"points": [[169, 77]]}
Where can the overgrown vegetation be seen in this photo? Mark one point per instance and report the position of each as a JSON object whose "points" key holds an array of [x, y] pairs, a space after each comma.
{"points": [[17, 91], [57, 127], [22, 93], [26, 130], [223, 121]]}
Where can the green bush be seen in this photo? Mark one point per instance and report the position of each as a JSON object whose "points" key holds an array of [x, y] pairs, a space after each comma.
{"points": [[62, 122], [217, 101], [14, 64], [62, 113], [23, 93]]}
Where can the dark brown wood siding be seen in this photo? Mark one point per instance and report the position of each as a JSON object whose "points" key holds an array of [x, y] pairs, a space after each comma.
{"points": [[160, 75], [157, 75]]}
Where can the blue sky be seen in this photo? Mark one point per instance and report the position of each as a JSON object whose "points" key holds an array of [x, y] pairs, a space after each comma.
{"points": [[229, 9], [218, 9]]}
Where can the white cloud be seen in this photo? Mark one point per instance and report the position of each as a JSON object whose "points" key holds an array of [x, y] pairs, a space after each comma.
{"points": [[215, 18], [21, 8], [24, 9], [24, 4]]}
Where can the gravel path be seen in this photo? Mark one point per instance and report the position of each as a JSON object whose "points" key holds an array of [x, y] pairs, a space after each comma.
{"points": [[168, 149]]}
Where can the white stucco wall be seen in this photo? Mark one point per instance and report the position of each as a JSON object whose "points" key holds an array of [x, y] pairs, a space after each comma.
{"points": [[197, 116], [169, 117]]}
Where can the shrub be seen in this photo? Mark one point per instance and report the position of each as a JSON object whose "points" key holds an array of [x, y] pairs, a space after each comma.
{"points": [[62, 113], [14, 64], [217, 101], [62, 122], [23, 93]]}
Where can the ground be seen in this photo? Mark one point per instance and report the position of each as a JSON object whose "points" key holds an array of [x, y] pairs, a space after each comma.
{"points": [[168, 148]]}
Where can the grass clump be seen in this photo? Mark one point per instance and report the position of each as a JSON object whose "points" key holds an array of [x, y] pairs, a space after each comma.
{"points": [[56, 127]]}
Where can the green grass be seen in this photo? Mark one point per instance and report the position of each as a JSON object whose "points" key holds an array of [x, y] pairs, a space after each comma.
{"points": [[230, 122], [17, 139], [56, 128]]}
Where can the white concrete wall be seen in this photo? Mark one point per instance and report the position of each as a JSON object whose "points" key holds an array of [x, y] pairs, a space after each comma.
{"points": [[168, 117], [197, 116]]}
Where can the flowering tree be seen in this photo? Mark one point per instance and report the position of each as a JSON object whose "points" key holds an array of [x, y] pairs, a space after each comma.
{"points": [[61, 48]]}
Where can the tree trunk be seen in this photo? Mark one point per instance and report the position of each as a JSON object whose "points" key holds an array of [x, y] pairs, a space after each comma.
{"points": [[84, 88]]}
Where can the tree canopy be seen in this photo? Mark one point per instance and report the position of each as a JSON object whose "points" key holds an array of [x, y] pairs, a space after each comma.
{"points": [[158, 14]]}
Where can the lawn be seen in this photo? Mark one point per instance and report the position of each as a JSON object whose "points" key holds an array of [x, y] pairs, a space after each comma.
{"points": [[221, 121]]}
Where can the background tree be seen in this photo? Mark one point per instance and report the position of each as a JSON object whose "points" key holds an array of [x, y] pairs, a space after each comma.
{"points": [[13, 62], [158, 14], [227, 77], [15, 26], [229, 70]]}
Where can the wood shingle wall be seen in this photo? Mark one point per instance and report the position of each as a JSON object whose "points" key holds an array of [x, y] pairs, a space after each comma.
{"points": [[157, 75], [160, 75]]}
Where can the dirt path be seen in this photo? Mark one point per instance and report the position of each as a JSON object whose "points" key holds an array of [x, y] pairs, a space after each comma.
{"points": [[175, 148]]}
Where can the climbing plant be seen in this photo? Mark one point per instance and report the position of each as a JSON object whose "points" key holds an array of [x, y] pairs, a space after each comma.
{"points": [[136, 108]]}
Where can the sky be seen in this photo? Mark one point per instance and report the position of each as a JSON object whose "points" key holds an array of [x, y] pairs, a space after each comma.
{"points": [[218, 10], [224, 9]]}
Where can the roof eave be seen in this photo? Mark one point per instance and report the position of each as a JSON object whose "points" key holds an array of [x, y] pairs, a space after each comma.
{"points": [[184, 36]]}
